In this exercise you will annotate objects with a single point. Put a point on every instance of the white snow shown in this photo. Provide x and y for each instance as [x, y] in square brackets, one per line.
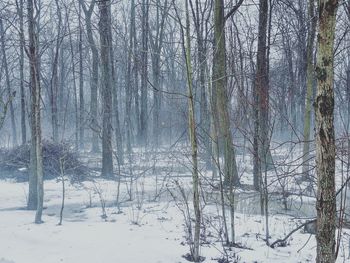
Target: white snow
[143, 230]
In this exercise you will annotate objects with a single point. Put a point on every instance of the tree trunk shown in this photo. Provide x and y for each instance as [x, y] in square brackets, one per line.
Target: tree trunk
[325, 142]
[54, 78]
[261, 98]
[115, 103]
[94, 75]
[20, 7]
[81, 86]
[309, 85]
[193, 139]
[221, 101]
[76, 130]
[36, 190]
[106, 87]
[144, 74]
[8, 84]
[199, 17]
[157, 46]
[129, 81]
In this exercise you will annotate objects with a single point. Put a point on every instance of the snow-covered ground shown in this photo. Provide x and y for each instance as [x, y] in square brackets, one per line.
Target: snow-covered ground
[153, 233]
[149, 229]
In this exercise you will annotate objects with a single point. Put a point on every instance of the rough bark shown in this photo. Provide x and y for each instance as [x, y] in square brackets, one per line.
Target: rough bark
[261, 147]
[325, 142]
[106, 87]
[221, 101]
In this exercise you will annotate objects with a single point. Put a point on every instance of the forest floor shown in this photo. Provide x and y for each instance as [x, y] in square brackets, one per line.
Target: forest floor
[100, 225]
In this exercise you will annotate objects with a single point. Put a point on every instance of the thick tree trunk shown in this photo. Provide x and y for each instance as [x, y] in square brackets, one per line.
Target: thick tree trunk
[325, 142]
[36, 190]
[106, 87]
[221, 101]
[261, 97]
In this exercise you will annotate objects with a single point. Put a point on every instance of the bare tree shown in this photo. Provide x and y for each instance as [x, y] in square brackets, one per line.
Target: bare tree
[106, 85]
[88, 11]
[36, 189]
[143, 135]
[8, 83]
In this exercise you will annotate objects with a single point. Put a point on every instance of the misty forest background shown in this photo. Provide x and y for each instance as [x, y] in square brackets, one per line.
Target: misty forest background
[234, 116]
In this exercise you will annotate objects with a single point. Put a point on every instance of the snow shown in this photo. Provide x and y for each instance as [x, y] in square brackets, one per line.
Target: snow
[150, 229]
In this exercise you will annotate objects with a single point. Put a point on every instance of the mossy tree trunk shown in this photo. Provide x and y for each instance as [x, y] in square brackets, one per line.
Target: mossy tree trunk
[309, 87]
[325, 142]
[221, 102]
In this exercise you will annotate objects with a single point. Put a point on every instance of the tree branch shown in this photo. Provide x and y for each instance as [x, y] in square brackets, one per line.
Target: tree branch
[233, 10]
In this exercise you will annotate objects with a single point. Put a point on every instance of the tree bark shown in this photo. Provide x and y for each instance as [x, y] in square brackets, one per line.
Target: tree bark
[325, 141]
[129, 80]
[8, 85]
[81, 86]
[204, 124]
[261, 98]
[36, 190]
[54, 78]
[106, 87]
[309, 87]
[221, 113]
[94, 74]
[193, 137]
[20, 8]
[144, 74]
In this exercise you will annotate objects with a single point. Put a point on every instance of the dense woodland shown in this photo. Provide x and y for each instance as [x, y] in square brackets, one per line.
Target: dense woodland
[226, 121]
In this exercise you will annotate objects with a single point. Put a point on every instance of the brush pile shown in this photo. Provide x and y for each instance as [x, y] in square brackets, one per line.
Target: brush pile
[15, 162]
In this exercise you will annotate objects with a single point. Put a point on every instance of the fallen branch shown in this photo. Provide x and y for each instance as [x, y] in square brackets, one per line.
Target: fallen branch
[281, 241]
